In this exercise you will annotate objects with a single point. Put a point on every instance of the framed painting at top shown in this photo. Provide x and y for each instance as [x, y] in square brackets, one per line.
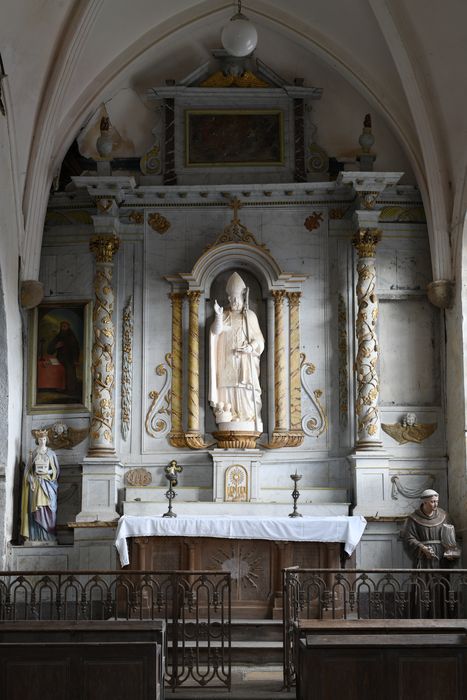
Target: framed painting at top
[59, 378]
[229, 138]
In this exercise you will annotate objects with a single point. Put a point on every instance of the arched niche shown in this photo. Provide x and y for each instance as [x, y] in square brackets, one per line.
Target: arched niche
[282, 366]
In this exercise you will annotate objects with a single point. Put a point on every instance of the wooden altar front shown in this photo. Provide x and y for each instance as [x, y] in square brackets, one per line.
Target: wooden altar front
[255, 565]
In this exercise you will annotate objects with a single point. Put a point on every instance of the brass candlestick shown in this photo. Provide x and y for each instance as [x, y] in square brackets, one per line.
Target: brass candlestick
[171, 472]
[295, 495]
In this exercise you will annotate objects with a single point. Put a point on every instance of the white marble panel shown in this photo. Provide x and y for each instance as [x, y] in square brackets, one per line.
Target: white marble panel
[409, 356]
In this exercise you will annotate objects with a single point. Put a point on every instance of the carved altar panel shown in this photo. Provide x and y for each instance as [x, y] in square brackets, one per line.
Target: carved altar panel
[255, 565]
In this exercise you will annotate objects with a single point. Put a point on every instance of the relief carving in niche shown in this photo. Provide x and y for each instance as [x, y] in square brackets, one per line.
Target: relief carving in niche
[243, 563]
[236, 484]
[408, 430]
[61, 437]
[138, 477]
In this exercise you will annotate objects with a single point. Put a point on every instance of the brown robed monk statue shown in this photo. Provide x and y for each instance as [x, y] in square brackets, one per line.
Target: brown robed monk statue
[429, 535]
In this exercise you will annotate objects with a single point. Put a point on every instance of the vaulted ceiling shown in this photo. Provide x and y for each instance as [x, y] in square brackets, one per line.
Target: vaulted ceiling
[403, 59]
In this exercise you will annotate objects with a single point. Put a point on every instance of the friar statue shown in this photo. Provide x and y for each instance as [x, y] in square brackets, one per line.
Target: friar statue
[236, 343]
[429, 534]
[39, 496]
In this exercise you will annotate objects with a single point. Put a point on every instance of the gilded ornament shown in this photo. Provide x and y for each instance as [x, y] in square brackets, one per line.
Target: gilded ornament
[367, 344]
[137, 217]
[368, 199]
[313, 221]
[104, 248]
[158, 223]
[61, 436]
[408, 430]
[366, 240]
[236, 484]
[157, 421]
[127, 367]
[318, 159]
[343, 362]
[150, 163]
[104, 204]
[236, 232]
[138, 477]
[315, 421]
[336, 213]
[236, 439]
[247, 79]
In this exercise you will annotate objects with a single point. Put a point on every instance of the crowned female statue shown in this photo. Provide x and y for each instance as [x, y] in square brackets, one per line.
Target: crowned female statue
[236, 343]
[39, 497]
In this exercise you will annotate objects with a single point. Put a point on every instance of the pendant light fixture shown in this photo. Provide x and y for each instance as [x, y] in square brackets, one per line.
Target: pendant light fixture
[239, 37]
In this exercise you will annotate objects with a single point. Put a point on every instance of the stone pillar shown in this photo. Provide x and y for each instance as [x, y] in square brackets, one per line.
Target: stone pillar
[177, 436]
[367, 403]
[294, 369]
[101, 441]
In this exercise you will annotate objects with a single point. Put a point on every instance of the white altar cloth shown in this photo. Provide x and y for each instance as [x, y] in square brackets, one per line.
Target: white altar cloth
[338, 528]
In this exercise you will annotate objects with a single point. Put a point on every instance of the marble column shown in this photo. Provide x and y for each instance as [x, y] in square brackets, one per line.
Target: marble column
[193, 435]
[296, 434]
[102, 472]
[280, 432]
[101, 441]
[177, 436]
[367, 403]
[193, 362]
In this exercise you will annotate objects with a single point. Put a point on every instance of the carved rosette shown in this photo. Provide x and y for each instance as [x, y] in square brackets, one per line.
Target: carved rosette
[103, 369]
[158, 223]
[177, 436]
[127, 368]
[367, 409]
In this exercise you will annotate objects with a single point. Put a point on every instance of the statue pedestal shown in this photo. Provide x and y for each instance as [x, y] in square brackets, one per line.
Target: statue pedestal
[372, 483]
[237, 435]
[235, 475]
[102, 480]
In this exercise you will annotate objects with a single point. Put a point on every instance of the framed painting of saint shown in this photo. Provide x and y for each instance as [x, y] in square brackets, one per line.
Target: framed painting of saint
[59, 377]
[229, 138]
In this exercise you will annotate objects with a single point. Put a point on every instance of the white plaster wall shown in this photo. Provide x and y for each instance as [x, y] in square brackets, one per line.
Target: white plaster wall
[11, 334]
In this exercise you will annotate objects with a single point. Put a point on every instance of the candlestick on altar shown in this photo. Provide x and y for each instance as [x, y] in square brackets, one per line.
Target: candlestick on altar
[171, 472]
[295, 495]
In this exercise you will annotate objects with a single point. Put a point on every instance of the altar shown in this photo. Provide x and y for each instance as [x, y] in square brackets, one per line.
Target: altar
[254, 549]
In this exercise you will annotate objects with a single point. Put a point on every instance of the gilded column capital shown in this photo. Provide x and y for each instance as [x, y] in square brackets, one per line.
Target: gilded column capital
[104, 247]
[294, 298]
[366, 240]
[278, 295]
[193, 297]
[177, 297]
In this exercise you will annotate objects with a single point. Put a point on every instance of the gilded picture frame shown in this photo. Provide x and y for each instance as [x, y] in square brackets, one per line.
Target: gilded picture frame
[59, 372]
[234, 138]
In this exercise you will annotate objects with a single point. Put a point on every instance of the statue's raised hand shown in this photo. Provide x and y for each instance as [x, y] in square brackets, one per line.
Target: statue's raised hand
[218, 309]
